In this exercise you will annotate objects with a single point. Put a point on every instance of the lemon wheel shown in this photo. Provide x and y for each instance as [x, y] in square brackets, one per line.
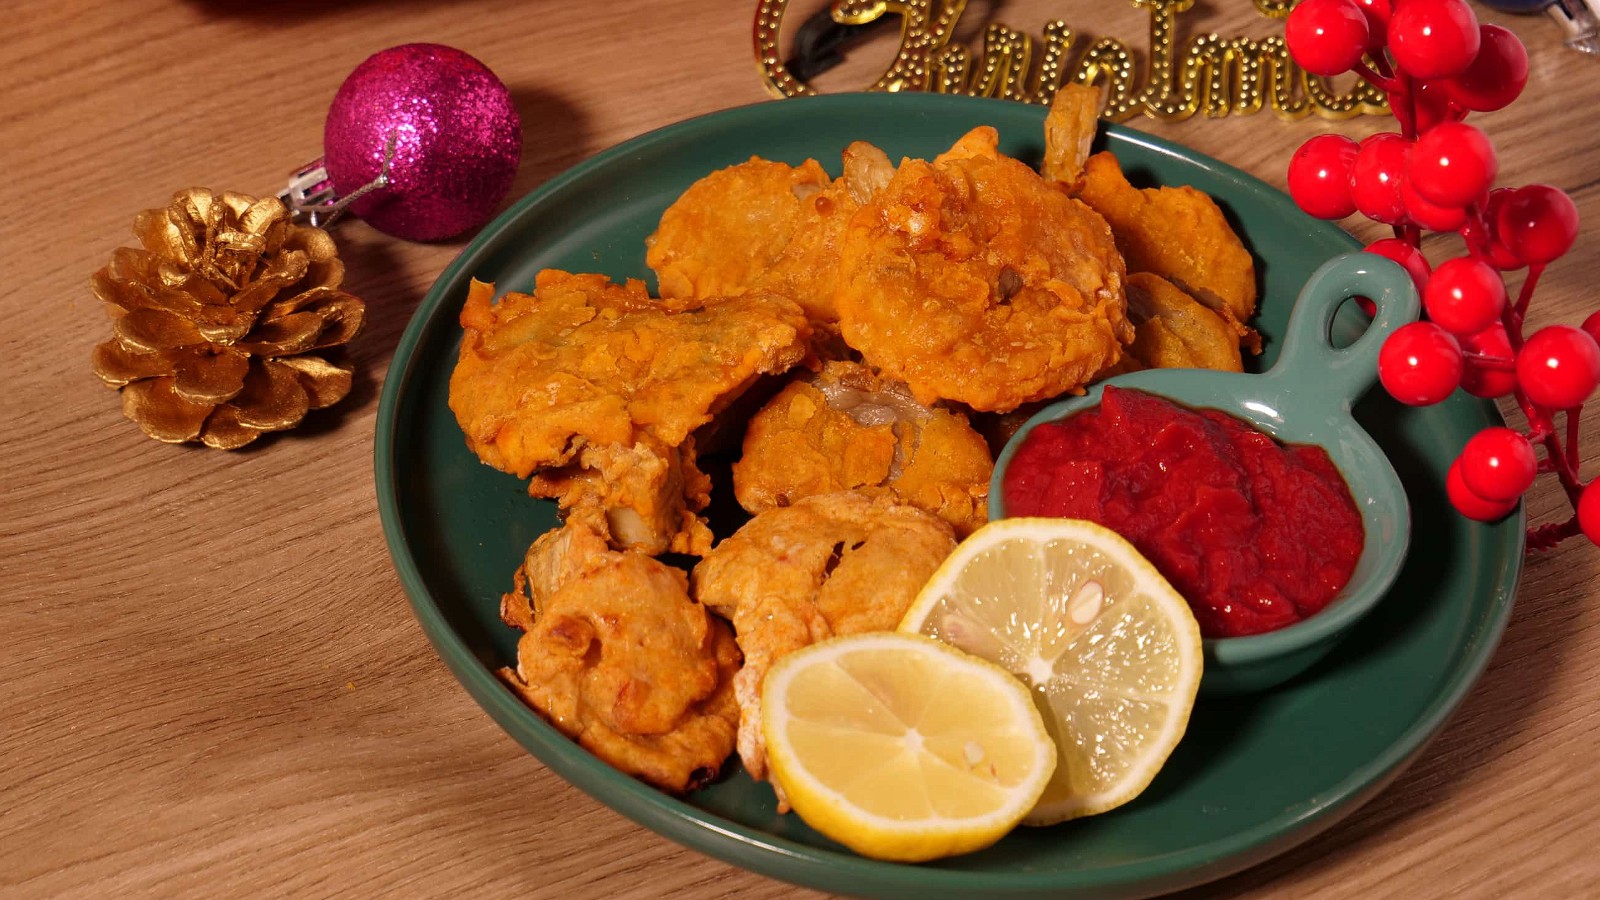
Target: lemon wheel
[1109, 649]
[903, 748]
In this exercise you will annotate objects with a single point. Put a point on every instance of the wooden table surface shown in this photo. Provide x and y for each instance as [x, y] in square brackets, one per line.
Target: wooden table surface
[211, 683]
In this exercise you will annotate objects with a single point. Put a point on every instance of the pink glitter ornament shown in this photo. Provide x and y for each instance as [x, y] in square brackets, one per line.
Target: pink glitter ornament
[422, 141]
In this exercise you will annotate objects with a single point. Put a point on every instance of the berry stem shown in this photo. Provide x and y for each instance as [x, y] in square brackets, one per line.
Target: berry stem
[1526, 294]
[1546, 537]
[1543, 431]
[1379, 81]
[1404, 107]
[1574, 416]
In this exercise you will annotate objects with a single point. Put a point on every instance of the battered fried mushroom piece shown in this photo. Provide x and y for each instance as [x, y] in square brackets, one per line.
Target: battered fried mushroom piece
[828, 565]
[764, 225]
[636, 495]
[596, 387]
[808, 267]
[1172, 330]
[848, 429]
[972, 279]
[1178, 233]
[1069, 130]
[730, 226]
[617, 657]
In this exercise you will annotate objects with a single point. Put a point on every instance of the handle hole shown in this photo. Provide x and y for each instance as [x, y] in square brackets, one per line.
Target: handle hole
[1349, 323]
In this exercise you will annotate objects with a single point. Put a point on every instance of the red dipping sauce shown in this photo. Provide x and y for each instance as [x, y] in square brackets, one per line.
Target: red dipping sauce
[1255, 534]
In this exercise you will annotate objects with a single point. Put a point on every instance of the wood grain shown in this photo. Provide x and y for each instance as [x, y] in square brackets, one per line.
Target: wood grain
[211, 684]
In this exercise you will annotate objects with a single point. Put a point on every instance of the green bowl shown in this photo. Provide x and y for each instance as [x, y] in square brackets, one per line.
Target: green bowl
[1305, 398]
[1255, 775]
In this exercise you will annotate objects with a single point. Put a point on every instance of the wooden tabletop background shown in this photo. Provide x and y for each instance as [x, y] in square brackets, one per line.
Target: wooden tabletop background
[211, 683]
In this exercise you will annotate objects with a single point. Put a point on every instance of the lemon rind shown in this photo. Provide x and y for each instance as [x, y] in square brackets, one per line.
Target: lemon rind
[1148, 581]
[908, 840]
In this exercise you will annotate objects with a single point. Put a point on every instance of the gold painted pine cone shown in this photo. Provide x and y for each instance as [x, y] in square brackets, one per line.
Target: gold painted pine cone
[219, 321]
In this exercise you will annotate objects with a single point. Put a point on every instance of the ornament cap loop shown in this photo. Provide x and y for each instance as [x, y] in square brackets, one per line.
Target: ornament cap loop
[1580, 19]
[310, 194]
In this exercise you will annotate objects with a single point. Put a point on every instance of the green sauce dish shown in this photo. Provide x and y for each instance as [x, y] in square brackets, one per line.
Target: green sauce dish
[1305, 398]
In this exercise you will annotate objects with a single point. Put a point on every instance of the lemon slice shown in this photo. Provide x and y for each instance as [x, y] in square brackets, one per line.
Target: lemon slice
[1111, 652]
[903, 748]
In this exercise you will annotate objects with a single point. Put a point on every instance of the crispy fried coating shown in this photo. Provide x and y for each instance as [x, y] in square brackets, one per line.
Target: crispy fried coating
[1069, 130]
[970, 278]
[585, 374]
[617, 657]
[764, 225]
[645, 496]
[828, 565]
[1178, 233]
[1172, 330]
[730, 226]
[848, 429]
[808, 267]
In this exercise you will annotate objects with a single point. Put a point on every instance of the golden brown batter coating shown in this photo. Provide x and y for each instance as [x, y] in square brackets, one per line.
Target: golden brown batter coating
[1178, 233]
[972, 279]
[848, 429]
[1069, 130]
[1172, 330]
[808, 267]
[764, 225]
[586, 375]
[617, 657]
[730, 226]
[645, 496]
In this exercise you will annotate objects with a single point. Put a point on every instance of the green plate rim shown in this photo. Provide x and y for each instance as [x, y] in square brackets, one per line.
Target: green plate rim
[790, 860]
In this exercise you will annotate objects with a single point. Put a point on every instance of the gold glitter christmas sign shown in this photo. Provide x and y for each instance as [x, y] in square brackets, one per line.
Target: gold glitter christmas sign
[1207, 73]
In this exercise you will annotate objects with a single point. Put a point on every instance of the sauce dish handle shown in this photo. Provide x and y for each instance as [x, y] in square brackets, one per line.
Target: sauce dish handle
[1344, 374]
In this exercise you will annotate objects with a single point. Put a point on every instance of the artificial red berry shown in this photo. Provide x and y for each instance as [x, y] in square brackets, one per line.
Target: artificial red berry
[1327, 37]
[1432, 104]
[1592, 325]
[1409, 257]
[1497, 74]
[1433, 38]
[1375, 178]
[1469, 504]
[1378, 13]
[1428, 214]
[1559, 366]
[1482, 378]
[1589, 512]
[1453, 164]
[1464, 296]
[1537, 223]
[1420, 364]
[1319, 176]
[1495, 251]
[1498, 464]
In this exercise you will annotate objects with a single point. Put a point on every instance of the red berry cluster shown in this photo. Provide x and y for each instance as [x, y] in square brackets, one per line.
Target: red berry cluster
[1437, 64]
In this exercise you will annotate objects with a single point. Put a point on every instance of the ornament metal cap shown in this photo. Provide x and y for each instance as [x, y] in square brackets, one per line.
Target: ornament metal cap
[310, 195]
[1580, 19]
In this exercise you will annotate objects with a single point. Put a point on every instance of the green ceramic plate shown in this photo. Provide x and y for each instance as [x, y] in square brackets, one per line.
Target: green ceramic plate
[1254, 776]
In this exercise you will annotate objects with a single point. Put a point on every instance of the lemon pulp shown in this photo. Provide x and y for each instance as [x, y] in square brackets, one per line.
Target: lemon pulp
[1110, 651]
[903, 748]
